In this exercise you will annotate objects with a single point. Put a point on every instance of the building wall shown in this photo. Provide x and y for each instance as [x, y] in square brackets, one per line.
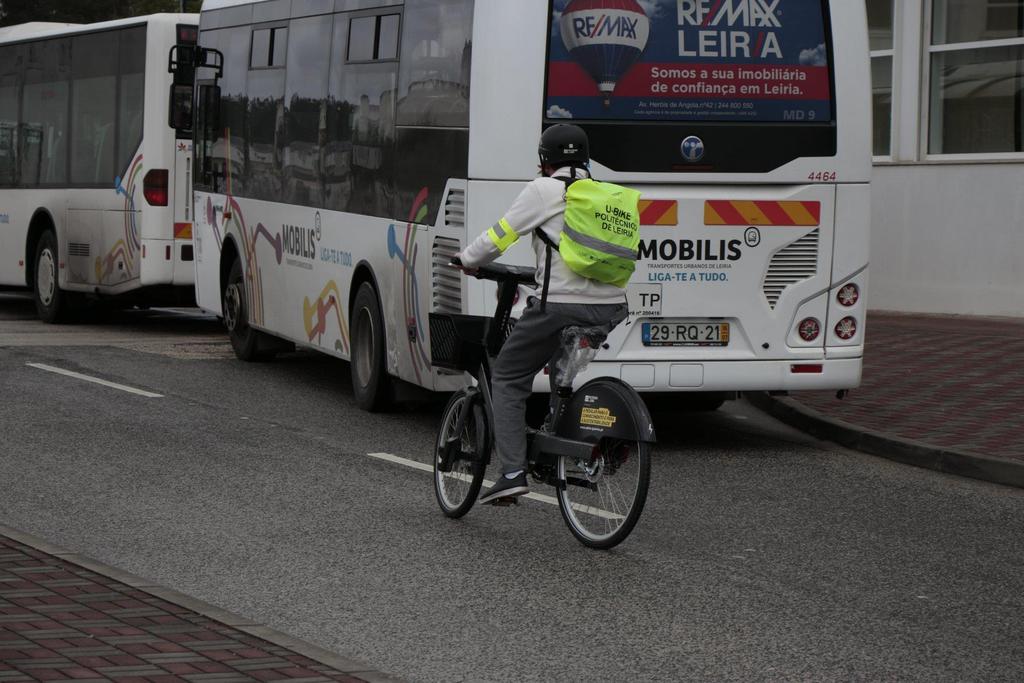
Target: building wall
[948, 239]
[947, 202]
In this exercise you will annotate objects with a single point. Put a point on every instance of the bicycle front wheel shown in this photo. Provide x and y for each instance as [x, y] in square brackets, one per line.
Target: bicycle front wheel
[605, 493]
[457, 478]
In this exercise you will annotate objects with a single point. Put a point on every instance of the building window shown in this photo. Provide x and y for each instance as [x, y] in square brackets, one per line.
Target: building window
[373, 38]
[880, 35]
[976, 77]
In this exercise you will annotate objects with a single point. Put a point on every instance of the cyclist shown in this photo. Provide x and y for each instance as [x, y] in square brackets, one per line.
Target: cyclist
[569, 299]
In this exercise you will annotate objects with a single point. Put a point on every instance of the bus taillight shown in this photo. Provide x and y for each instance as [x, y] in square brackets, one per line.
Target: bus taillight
[848, 295]
[809, 329]
[154, 187]
[846, 328]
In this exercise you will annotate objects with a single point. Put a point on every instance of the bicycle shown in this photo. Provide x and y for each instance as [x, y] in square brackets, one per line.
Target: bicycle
[594, 447]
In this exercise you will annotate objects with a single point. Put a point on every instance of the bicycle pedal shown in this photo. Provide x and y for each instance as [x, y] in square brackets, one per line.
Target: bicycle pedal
[506, 501]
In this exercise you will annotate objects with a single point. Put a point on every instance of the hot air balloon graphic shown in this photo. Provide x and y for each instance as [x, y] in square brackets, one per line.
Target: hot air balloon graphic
[605, 37]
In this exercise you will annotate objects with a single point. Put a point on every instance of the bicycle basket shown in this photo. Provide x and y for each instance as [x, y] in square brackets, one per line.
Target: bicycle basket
[457, 341]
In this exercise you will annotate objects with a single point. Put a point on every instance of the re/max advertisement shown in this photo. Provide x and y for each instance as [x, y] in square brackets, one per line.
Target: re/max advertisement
[689, 60]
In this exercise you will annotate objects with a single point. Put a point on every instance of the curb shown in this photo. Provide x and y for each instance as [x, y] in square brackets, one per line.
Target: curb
[345, 665]
[906, 451]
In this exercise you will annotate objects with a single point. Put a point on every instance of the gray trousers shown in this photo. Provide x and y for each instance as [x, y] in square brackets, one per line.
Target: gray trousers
[536, 341]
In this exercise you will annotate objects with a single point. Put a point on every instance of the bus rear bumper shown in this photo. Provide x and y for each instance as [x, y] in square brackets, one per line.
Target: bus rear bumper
[167, 262]
[761, 375]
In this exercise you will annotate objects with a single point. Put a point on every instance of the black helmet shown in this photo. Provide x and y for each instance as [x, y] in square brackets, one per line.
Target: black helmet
[564, 144]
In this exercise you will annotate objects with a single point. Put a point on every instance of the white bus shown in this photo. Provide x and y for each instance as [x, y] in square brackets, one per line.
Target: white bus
[353, 146]
[94, 181]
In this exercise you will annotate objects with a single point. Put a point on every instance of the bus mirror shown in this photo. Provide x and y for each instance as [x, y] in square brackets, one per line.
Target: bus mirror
[180, 118]
[182, 62]
[208, 58]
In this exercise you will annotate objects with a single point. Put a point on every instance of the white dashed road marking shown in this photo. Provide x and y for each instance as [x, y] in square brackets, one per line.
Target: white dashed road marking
[424, 467]
[94, 380]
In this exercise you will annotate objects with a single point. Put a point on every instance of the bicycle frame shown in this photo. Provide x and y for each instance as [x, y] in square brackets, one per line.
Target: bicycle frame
[575, 440]
[591, 435]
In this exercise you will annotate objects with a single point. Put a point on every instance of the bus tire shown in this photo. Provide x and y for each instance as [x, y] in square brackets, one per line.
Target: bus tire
[247, 343]
[52, 303]
[371, 385]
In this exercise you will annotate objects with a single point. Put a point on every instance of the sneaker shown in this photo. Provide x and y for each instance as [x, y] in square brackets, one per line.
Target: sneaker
[506, 488]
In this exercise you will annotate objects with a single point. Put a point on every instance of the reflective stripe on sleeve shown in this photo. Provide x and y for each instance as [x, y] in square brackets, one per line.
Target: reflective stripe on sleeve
[502, 235]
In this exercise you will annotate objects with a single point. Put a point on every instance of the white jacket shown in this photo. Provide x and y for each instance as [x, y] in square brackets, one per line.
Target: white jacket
[542, 204]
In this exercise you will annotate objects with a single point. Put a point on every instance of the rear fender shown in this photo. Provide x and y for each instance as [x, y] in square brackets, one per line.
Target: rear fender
[606, 407]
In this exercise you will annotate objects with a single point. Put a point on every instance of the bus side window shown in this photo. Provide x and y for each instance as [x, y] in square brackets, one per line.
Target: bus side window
[94, 74]
[433, 98]
[131, 95]
[45, 112]
[9, 106]
[209, 96]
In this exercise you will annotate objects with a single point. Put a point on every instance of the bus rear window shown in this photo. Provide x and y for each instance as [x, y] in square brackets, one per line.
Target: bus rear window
[760, 61]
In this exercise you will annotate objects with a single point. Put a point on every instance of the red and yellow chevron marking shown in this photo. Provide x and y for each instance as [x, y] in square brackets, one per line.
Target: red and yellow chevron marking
[182, 231]
[725, 212]
[659, 212]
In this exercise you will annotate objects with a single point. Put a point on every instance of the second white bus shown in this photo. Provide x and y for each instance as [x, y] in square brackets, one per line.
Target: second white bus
[94, 180]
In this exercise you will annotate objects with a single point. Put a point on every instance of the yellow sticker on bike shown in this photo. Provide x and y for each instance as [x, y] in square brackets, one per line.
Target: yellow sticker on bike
[597, 417]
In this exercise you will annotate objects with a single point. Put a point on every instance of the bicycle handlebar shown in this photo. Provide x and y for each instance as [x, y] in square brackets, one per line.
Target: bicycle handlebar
[499, 272]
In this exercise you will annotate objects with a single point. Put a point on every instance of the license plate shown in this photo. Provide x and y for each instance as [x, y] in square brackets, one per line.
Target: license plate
[689, 333]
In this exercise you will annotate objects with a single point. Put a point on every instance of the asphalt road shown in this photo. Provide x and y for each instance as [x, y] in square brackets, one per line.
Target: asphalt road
[762, 554]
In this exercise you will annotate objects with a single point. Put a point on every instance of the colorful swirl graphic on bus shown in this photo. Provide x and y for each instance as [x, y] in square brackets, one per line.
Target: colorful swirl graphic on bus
[131, 228]
[211, 218]
[105, 266]
[233, 217]
[273, 240]
[317, 316]
[406, 254]
[121, 257]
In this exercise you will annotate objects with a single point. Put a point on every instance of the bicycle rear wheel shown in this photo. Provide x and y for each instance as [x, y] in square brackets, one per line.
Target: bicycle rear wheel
[605, 493]
[457, 482]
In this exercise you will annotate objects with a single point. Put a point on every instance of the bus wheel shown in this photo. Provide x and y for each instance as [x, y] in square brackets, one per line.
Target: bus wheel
[51, 302]
[370, 382]
[245, 341]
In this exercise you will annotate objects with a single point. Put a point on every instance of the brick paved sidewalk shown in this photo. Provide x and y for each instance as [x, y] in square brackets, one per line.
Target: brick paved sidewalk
[942, 392]
[951, 382]
[60, 621]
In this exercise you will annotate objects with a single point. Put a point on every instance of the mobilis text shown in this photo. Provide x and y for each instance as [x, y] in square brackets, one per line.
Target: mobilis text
[690, 250]
[299, 241]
